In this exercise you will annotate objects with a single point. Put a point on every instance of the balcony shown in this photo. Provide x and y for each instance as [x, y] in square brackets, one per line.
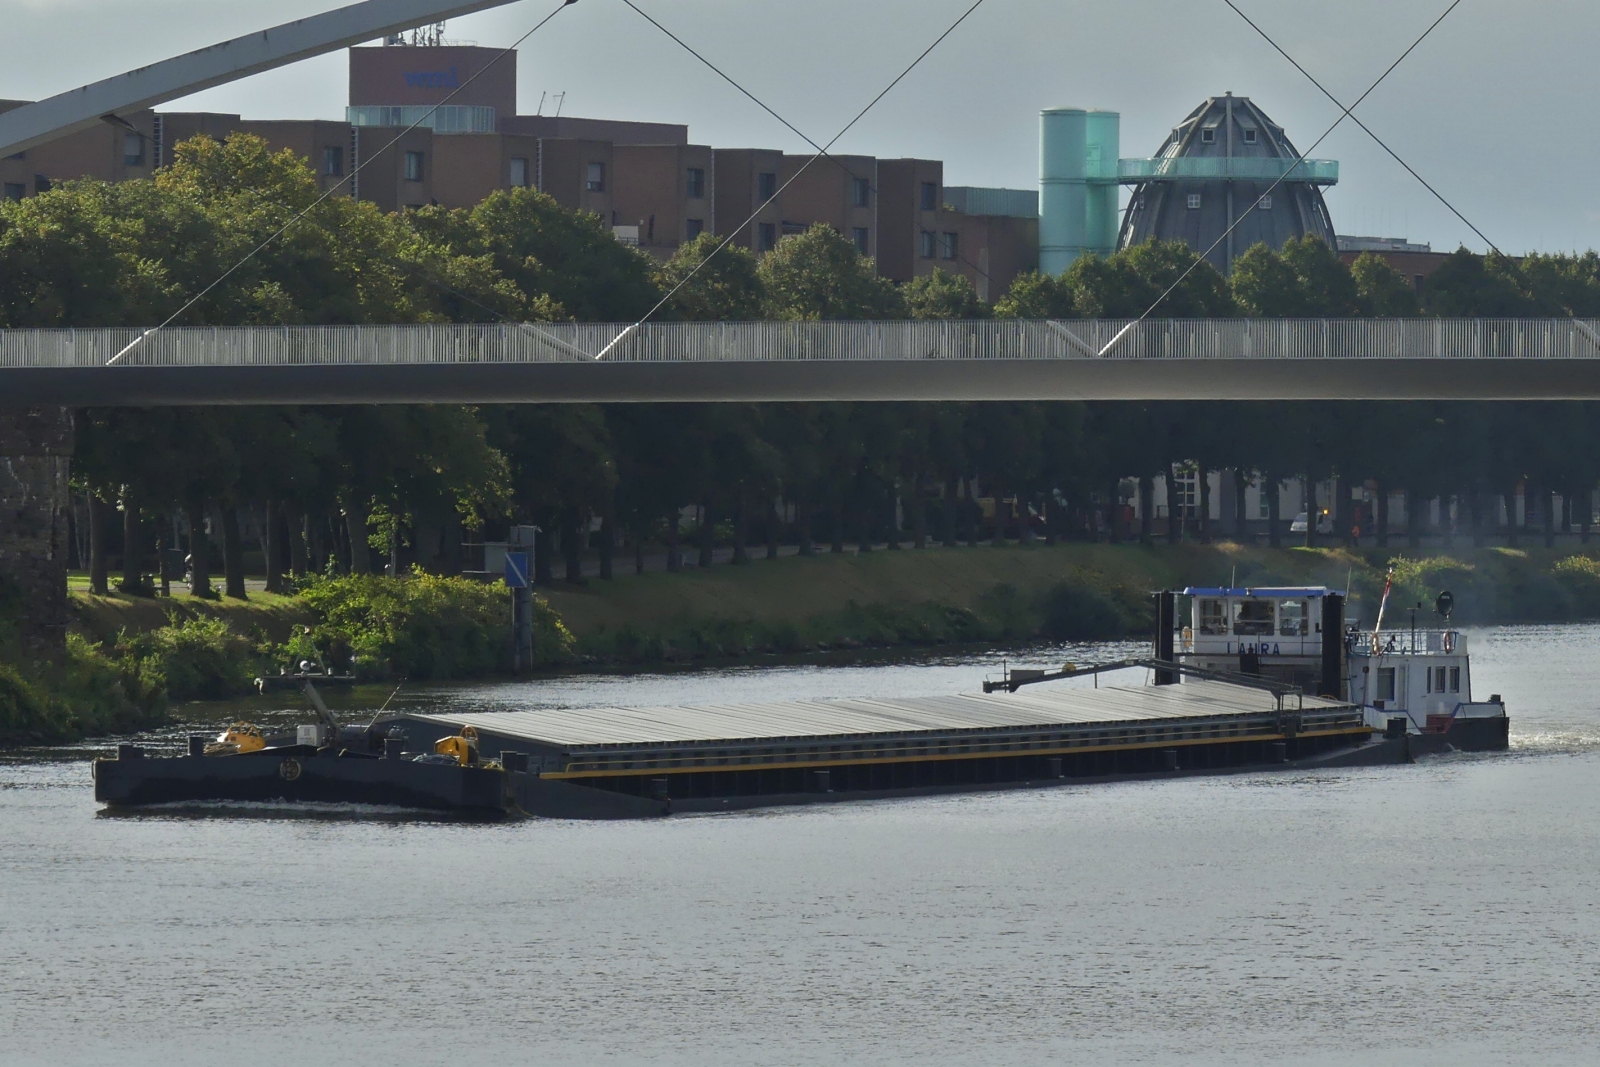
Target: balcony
[1223, 168]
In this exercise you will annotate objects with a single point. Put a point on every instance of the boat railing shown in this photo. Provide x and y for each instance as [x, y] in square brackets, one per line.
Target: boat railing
[1406, 642]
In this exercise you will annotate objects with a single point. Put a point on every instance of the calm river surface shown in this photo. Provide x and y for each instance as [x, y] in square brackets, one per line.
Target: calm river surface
[1446, 913]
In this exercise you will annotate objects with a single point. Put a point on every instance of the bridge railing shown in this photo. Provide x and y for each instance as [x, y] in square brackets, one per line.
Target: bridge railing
[1002, 339]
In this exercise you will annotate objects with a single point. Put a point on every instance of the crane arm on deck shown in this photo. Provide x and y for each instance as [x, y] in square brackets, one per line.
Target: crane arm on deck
[79, 109]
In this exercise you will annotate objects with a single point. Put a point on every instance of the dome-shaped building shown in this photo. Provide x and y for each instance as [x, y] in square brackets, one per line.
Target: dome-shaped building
[1210, 172]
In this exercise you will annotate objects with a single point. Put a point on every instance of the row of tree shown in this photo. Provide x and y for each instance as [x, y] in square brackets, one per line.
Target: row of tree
[344, 482]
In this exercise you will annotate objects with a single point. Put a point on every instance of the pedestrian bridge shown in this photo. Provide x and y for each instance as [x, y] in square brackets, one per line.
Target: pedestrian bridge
[1008, 359]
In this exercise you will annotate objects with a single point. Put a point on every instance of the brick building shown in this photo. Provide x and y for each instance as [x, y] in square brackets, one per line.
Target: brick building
[645, 179]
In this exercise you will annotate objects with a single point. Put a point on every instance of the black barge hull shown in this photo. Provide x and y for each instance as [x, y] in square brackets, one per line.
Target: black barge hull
[299, 774]
[1486, 734]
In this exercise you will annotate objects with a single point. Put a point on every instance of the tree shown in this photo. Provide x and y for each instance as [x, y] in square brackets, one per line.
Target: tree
[1471, 286]
[1382, 291]
[819, 274]
[726, 287]
[943, 296]
[1037, 296]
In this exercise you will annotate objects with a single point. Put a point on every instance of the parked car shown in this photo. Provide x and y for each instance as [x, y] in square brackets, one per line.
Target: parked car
[1324, 523]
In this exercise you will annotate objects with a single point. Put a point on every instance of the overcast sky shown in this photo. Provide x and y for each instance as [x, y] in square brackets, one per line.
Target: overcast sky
[1493, 109]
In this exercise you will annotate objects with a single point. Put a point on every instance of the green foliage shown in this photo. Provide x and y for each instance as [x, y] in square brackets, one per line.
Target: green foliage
[1304, 280]
[725, 288]
[943, 296]
[1471, 286]
[1075, 612]
[819, 274]
[192, 659]
[1381, 290]
[1037, 296]
[423, 627]
[87, 695]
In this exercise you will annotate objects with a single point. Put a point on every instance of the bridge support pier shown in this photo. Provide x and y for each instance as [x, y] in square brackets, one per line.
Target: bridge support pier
[35, 457]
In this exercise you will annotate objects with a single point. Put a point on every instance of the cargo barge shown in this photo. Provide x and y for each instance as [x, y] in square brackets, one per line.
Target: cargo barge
[637, 762]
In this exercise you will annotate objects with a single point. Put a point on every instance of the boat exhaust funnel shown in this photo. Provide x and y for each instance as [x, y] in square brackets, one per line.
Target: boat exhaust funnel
[1078, 151]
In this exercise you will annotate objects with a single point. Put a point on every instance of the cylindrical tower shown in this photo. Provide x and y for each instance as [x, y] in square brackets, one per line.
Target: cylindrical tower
[1077, 185]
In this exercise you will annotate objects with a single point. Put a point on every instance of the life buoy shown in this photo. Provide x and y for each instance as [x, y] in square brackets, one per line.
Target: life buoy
[1449, 641]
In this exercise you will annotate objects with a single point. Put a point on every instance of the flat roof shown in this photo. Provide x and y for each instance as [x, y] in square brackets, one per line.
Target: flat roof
[1033, 706]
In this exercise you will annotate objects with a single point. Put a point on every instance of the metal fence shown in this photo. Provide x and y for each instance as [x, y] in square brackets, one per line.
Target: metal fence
[1008, 339]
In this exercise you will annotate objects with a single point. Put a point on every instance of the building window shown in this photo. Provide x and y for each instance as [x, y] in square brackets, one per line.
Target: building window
[1194, 201]
[16, 190]
[766, 236]
[41, 183]
[930, 196]
[1208, 135]
[519, 173]
[766, 185]
[1249, 136]
[1266, 203]
[595, 178]
[861, 238]
[696, 184]
[860, 192]
[413, 166]
[1177, 136]
[693, 228]
[927, 244]
[332, 160]
[947, 245]
[133, 149]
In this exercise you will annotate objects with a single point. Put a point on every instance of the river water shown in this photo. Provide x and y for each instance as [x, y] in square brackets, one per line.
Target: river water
[1441, 914]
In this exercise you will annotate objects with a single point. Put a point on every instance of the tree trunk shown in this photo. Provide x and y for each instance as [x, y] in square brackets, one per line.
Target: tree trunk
[295, 521]
[607, 545]
[355, 524]
[708, 534]
[740, 553]
[838, 523]
[1203, 489]
[163, 544]
[232, 552]
[199, 552]
[1308, 490]
[947, 513]
[99, 523]
[1272, 486]
[802, 528]
[638, 552]
[1547, 505]
[1510, 506]
[544, 573]
[919, 513]
[774, 524]
[1585, 500]
[1241, 514]
[674, 555]
[1380, 514]
[1175, 515]
[572, 537]
[1147, 507]
[272, 547]
[133, 582]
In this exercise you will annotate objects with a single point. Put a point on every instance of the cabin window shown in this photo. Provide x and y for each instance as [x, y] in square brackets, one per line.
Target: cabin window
[1294, 618]
[1438, 679]
[1385, 683]
[1455, 679]
[1213, 617]
[1252, 618]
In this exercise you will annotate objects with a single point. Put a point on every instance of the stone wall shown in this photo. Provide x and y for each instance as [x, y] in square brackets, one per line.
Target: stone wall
[35, 458]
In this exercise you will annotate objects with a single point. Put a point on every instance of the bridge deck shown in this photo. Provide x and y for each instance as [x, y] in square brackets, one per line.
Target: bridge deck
[774, 361]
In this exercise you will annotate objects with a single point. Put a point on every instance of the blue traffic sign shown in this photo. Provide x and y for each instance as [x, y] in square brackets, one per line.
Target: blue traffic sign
[517, 570]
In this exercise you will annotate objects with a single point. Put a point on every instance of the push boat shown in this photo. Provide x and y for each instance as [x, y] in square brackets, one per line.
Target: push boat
[1248, 685]
[1298, 635]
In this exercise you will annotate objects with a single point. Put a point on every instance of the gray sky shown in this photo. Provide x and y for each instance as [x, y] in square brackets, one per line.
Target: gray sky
[1466, 109]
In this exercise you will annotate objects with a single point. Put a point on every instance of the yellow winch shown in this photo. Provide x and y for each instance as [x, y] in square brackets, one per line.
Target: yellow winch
[239, 738]
[463, 746]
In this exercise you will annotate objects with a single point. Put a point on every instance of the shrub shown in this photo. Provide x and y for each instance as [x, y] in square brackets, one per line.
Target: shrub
[1081, 613]
[423, 626]
[196, 659]
[87, 695]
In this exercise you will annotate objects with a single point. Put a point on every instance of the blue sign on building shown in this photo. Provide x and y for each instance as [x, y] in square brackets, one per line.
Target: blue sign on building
[517, 570]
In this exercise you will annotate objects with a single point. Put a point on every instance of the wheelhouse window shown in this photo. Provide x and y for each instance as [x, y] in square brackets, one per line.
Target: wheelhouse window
[1385, 683]
[1213, 617]
[1294, 618]
[1439, 675]
[1252, 618]
[1455, 679]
